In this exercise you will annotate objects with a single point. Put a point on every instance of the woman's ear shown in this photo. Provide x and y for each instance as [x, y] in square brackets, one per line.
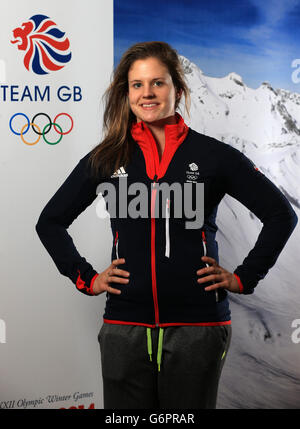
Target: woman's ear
[179, 93]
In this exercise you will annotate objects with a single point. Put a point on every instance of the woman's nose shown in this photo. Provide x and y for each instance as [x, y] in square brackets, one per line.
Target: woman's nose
[148, 91]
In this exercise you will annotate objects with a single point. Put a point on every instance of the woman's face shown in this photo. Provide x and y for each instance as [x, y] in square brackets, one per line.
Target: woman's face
[152, 94]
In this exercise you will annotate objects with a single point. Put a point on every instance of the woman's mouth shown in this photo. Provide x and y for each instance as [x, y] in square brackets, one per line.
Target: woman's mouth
[149, 106]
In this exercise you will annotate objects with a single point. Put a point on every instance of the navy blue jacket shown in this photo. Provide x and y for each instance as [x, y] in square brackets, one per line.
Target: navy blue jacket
[161, 254]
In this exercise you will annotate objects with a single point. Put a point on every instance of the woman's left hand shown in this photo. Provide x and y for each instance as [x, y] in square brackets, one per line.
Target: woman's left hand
[217, 274]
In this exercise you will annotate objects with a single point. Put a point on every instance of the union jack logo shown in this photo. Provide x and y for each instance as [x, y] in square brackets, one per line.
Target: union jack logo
[46, 48]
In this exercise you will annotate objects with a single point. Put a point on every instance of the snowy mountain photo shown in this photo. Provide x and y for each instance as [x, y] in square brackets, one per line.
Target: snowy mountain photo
[264, 124]
[241, 63]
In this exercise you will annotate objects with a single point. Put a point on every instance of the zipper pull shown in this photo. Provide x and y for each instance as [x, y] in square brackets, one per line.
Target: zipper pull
[155, 181]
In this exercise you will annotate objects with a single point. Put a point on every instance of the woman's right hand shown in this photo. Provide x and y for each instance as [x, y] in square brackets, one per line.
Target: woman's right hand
[110, 275]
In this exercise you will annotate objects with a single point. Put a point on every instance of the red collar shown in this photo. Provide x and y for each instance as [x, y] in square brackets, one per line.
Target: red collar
[174, 136]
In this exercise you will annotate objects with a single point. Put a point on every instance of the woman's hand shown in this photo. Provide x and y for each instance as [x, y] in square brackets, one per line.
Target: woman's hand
[221, 277]
[103, 280]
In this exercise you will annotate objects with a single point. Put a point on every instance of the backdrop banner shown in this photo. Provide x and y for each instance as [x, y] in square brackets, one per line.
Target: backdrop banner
[55, 63]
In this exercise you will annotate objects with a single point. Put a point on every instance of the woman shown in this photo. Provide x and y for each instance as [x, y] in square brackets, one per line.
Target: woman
[166, 294]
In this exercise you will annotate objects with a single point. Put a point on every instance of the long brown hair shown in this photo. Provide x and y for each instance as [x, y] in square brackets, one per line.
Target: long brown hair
[115, 149]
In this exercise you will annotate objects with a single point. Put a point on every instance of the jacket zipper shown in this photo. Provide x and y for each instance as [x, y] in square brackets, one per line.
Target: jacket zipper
[207, 265]
[154, 285]
[167, 251]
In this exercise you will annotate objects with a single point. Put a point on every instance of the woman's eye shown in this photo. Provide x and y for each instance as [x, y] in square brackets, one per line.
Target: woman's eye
[138, 84]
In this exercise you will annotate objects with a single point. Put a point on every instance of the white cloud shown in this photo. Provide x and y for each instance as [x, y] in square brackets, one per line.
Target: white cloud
[274, 11]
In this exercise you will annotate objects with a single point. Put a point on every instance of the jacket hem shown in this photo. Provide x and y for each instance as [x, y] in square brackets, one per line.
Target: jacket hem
[163, 325]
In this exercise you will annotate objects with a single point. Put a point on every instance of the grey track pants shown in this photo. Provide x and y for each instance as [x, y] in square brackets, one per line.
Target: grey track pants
[191, 363]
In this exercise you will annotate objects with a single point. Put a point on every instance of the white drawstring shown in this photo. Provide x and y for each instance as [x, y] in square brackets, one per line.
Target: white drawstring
[167, 252]
[117, 244]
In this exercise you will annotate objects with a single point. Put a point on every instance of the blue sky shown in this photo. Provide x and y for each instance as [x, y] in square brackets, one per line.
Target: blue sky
[258, 39]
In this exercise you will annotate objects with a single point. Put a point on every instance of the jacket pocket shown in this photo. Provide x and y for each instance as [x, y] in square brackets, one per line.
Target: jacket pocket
[167, 228]
[207, 265]
[117, 244]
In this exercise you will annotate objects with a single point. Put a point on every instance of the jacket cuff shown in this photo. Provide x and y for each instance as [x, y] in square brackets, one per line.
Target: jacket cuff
[241, 287]
[86, 285]
[92, 283]
[246, 283]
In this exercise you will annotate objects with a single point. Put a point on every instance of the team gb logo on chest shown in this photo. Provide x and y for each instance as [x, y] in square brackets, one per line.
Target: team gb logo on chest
[192, 173]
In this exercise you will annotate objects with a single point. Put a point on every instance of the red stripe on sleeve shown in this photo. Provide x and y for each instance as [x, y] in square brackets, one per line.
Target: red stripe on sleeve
[240, 283]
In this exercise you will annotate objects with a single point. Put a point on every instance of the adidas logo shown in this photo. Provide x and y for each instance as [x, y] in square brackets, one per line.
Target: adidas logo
[120, 173]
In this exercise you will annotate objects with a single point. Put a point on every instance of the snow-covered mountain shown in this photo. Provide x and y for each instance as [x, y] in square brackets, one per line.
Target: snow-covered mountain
[263, 366]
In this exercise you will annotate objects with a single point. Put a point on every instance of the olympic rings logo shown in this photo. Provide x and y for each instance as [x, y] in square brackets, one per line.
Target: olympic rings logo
[37, 129]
